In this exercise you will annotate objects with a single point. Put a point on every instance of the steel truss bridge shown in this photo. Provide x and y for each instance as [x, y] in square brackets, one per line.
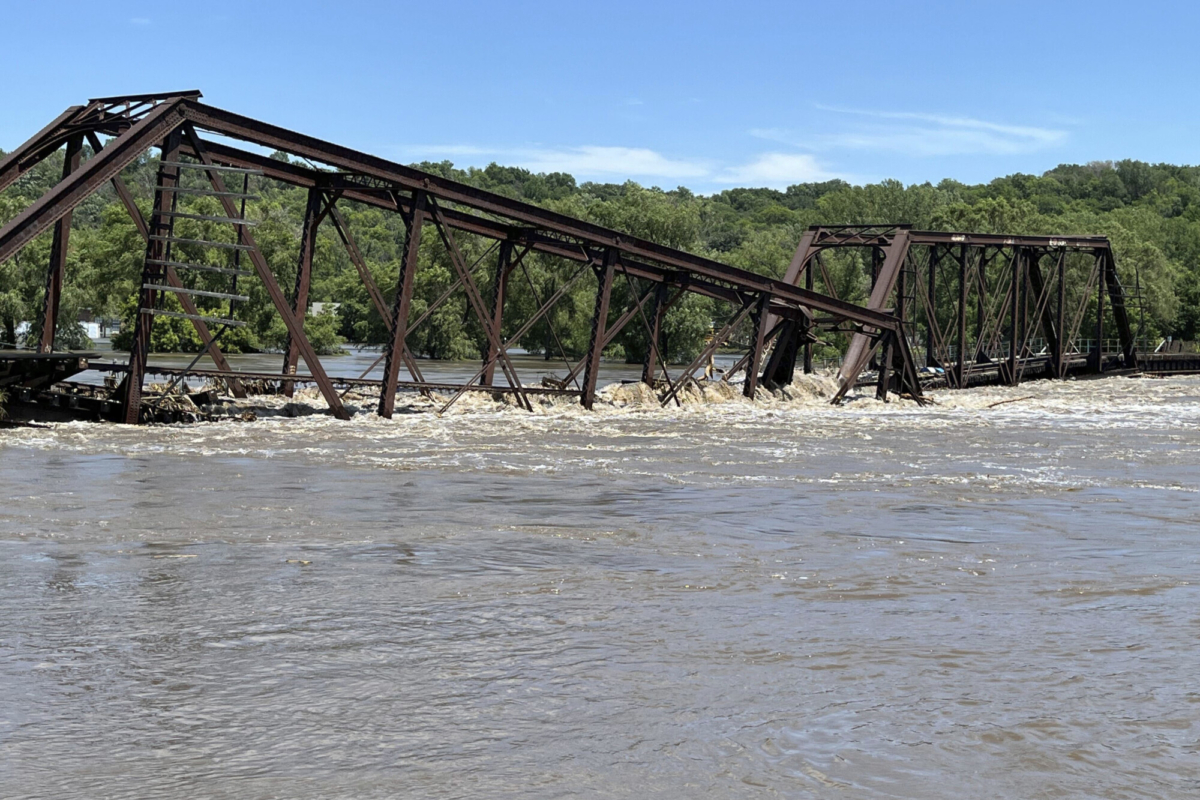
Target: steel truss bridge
[1003, 296]
[985, 307]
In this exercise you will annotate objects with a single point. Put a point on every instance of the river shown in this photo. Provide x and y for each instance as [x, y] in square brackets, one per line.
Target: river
[778, 599]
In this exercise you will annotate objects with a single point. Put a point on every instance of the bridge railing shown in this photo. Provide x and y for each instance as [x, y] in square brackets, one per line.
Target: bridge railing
[1000, 349]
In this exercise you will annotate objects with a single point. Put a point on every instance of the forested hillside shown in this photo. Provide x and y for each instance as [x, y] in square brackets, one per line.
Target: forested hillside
[1151, 213]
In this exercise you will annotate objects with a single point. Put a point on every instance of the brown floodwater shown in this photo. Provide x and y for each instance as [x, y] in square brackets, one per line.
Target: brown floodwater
[721, 600]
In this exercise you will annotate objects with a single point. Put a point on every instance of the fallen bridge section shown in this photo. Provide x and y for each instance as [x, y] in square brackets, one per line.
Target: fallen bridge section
[121, 130]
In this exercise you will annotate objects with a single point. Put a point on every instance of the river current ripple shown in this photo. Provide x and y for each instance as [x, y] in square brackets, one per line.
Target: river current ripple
[717, 601]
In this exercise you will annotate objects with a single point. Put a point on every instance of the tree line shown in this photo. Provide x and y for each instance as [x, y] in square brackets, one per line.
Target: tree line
[1151, 212]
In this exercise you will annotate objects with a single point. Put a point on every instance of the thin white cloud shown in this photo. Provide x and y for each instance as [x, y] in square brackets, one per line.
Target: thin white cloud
[1016, 131]
[139, 21]
[620, 161]
[588, 161]
[777, 171]
[924, 135]
[595, 162]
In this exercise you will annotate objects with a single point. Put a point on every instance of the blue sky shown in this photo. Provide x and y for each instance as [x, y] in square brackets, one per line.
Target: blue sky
[705, 95]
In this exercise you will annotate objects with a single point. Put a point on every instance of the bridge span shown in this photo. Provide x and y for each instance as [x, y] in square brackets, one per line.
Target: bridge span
[952, 308]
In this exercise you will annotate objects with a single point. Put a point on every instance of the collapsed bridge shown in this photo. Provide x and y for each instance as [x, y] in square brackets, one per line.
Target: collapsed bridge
[785, 317]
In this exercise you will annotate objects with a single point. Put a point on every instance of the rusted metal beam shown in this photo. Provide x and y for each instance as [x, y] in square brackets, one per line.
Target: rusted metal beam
[960, 363]
[404, 287]
[760, 316]
[1060, 359]
[1016, 329]
[807, 337]
[67, 194]
[308, 243]
[591, 373]
[29, 154]
[883, 235]
[58, 255]
[650, 364]
[1116, 298]
[931, 323]
[781, 365]
[885, 366]
[1098, 361]
[858, 354]
[360, 264]
[499, 285]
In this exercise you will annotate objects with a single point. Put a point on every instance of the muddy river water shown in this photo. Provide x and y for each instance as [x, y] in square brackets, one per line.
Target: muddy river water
[779, 599]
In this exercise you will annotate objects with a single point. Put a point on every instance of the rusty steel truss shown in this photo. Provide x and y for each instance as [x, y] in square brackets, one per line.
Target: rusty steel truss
[783, 317]
[975, 303]
[179, 125]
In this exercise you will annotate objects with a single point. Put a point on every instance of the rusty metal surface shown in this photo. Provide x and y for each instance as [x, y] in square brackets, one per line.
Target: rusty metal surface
[995, 279]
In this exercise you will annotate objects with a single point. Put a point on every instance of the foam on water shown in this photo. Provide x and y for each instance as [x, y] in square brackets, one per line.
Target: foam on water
[978, 598]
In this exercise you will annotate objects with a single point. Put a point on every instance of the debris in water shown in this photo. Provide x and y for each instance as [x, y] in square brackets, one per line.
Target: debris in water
[1013, 400]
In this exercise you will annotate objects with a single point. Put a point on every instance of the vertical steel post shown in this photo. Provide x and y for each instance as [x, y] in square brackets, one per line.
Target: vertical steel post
[960, 366]
[58, 256]
[605, 274]
[404, 287]
[650, 365]
[1027, 298]
[876, 260]
[1116, 301]
[1101, 264]
[981, 301]
[750, 385]
[931, 316]
[308, 243]
[1060, 366]
[808, 348]
[1039, 290]
[160, 225]
[885, 367]
[499, 289]
[1015, 332]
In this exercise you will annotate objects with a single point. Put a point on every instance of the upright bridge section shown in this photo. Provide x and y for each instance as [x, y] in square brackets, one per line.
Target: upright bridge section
[120, 130]
[974, 307]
